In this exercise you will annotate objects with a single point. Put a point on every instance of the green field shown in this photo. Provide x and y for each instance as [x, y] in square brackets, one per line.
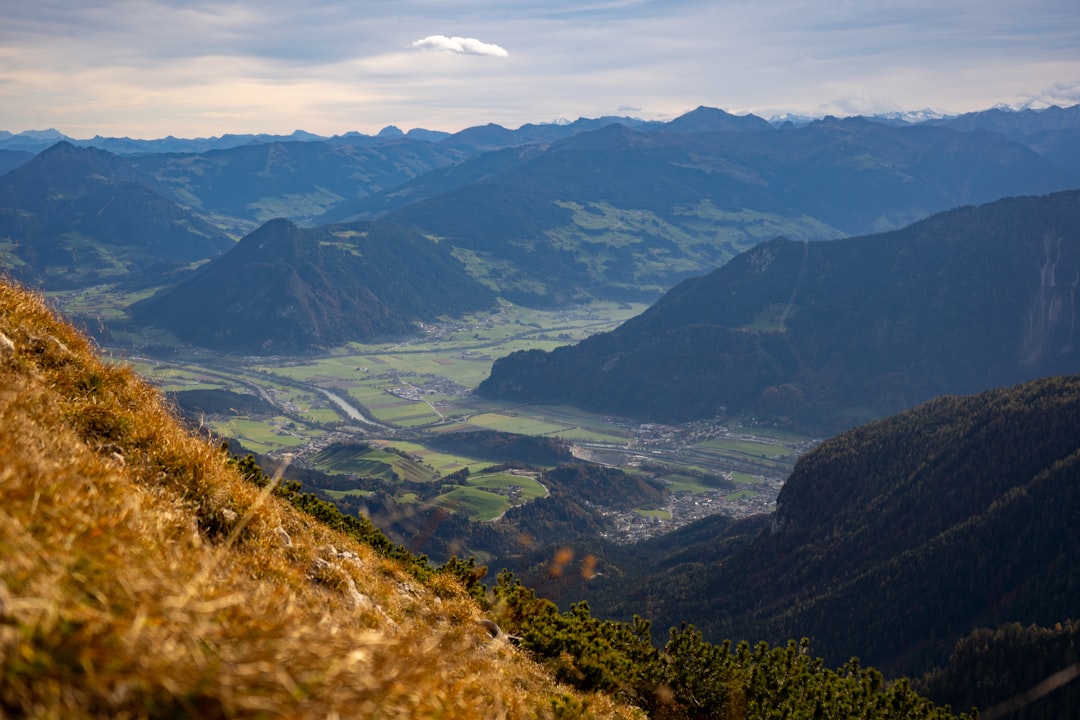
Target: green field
[517, 424]
[337, 494]
[475, 502]
[687, 483]
[451, 358]
[263, 436]
[443, 462]
[461, 352]
[371, 462]
[529, 487]
[746, 447]
[481, 499]
[662, 514]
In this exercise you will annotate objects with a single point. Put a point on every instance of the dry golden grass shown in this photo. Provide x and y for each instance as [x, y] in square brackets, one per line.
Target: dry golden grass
[141, 577]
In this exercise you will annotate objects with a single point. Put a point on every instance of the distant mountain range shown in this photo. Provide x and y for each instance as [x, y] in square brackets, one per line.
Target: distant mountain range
[284, 289]
[492, 136]
[827, 335]
[622, 213]
[544, 215]
[479, 138]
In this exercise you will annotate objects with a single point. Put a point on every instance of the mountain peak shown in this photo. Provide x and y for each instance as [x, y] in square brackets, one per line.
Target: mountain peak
[391, 131]
[65, 167]
[707, 119]
[284, 288]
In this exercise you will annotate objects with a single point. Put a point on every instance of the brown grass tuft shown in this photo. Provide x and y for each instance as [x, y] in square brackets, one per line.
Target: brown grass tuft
[140, 577]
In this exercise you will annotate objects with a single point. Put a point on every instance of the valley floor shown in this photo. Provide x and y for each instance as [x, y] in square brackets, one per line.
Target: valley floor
[400, 394]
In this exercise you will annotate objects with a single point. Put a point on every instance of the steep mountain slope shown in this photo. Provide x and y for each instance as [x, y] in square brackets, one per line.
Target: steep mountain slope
[285, 289]
[827, 335]
[77, 216]
[892, 541]
[144, 575]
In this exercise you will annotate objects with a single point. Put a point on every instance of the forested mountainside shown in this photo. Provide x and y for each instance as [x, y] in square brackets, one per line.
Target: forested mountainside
[285, 289]
[894, 540]
[72, 217]
[823, 336]
[1021, 672]
[150, 575]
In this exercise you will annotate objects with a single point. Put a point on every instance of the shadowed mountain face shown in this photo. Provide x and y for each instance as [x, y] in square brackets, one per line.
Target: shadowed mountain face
[78, 216]
[286, 289]
[892, 541]
[827, 335]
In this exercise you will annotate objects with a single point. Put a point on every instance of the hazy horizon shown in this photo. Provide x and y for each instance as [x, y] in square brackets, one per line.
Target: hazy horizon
[556, 121]
[194, 68]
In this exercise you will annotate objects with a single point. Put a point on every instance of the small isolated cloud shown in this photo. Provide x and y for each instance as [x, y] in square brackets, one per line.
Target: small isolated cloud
[465, 46]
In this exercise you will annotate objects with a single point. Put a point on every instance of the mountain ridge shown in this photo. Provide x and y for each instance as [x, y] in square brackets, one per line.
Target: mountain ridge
[32, 140]
[288, 289]
[825, 335]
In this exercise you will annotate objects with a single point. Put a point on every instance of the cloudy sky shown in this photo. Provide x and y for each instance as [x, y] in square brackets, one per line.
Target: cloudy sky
[150, 68]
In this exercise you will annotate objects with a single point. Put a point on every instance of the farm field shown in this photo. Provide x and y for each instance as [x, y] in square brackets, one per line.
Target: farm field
[487, 497]
[744, 446]
[398, 394]
[442, 461]
[373, 462]
[686, 483]
[476, 502]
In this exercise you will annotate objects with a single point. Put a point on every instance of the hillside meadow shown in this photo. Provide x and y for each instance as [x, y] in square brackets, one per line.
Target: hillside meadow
[144, 576]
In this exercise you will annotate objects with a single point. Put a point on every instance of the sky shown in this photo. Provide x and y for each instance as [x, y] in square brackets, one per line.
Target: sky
[152, 68]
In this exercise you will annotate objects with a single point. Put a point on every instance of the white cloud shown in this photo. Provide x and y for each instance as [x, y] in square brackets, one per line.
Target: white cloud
[203, 67]
[465, 46]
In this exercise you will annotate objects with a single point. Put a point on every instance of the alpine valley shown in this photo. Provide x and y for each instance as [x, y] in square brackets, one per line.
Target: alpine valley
[751, 381]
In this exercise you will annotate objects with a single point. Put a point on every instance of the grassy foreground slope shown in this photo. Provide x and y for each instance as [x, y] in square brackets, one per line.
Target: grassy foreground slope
[142, 576]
